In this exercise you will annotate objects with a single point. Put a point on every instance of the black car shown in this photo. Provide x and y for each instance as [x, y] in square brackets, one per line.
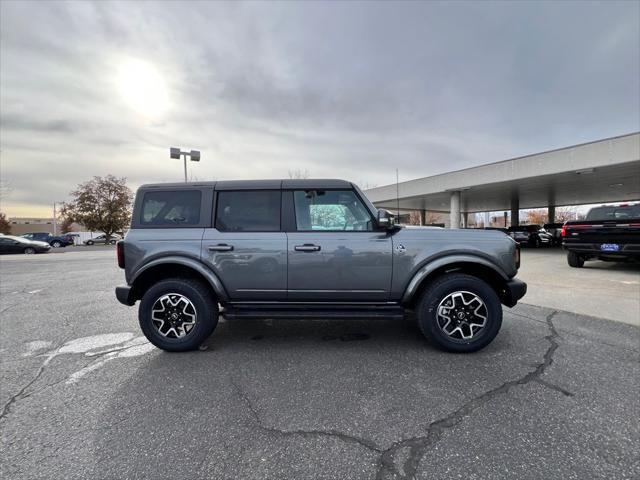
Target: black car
[531, 235]
[11, 244]
[54, 241]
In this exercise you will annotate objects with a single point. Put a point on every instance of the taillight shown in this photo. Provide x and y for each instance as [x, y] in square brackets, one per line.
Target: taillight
[120, 253]
[563, 232]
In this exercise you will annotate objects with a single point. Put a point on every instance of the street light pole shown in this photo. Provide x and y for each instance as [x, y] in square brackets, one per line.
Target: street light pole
[176, 153]
[55, 219]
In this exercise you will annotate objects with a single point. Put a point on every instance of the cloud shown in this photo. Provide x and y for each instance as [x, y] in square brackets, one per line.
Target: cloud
[351, 90]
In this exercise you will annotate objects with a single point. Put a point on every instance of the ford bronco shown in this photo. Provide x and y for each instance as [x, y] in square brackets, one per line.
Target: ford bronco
[306, 249]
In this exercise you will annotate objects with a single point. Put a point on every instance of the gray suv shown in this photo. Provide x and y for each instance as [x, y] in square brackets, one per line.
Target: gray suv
[306, 249]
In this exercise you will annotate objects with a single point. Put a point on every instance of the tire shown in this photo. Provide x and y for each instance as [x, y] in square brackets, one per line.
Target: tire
[29, 251]
[56, 244]
[203, 310]
[461, 289]
[112, 242]
[574, 260]
[90, 242]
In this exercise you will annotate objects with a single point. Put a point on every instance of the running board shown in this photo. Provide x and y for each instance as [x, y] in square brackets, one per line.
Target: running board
[268, 311]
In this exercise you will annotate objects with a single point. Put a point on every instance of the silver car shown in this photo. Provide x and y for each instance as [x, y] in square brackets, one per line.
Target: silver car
[102, 240]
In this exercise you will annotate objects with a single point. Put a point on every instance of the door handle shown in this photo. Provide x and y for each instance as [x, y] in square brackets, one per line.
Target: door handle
[307, 247]
[222, 247]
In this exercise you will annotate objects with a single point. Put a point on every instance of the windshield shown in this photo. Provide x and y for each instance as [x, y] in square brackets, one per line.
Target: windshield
[614, 213]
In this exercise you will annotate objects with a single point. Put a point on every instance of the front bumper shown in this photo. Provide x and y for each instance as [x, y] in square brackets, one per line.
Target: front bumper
[123, 294]
[513, 291]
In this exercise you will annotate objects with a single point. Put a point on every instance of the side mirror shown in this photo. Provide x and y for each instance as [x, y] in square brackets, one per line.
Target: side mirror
[386, 219]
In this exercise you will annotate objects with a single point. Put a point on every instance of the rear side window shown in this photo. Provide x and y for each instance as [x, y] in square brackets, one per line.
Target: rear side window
[171, 208]
[248, 211]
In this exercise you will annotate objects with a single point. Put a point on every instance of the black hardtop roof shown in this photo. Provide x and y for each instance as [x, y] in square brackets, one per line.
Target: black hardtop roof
[306, 183]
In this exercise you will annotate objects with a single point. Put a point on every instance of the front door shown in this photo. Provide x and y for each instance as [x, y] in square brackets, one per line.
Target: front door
[336, 253]
[246, 247]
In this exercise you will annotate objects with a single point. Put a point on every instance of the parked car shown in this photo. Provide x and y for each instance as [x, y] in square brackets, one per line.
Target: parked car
[102, 240]
[530, 235]
[609, 233]
[555, 230]
[11, 244]
[306, 249]
[54, 241]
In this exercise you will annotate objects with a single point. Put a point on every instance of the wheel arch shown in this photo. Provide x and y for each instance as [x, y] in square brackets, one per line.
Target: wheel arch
[170, 267]
[469, 264]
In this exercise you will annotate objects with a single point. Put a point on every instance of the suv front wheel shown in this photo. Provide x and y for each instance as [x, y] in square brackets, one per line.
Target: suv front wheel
[178, 314]
[460, 313]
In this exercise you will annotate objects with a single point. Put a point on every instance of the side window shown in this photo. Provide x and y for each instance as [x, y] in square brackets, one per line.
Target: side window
[177, 207]
[332, 210]
[248, 211]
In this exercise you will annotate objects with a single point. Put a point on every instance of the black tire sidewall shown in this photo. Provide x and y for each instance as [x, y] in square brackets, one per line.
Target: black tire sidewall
[29, 251]
[206, 310]
[574, 260]
[442, 287]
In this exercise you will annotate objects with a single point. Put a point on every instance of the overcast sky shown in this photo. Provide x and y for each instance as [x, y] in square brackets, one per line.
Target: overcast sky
[348, 90]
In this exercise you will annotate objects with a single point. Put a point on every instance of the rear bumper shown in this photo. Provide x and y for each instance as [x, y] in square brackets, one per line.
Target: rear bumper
[123, 294]
[627, 250]
[513, 291]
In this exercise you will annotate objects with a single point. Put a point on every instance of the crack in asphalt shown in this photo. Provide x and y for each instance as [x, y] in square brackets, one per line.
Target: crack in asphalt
[22, 393]
[368, 444]
[418, 446]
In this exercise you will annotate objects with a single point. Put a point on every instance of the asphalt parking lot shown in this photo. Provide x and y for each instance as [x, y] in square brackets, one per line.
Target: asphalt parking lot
[556, 395]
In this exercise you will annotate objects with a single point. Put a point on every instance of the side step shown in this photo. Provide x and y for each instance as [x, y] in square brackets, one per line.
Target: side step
[322, 312]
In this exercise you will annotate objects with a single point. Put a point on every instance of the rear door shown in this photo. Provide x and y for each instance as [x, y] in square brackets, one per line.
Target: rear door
[246, 247]
[335, 252]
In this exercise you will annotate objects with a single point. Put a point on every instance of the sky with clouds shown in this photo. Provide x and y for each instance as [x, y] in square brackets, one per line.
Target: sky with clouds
[350, 90]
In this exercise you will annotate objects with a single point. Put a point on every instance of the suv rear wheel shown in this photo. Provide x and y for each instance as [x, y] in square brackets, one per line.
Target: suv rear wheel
[460, 313]
[575, 260]
[178, 314]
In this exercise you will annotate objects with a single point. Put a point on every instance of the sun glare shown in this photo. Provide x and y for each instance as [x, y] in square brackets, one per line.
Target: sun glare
[143, 88]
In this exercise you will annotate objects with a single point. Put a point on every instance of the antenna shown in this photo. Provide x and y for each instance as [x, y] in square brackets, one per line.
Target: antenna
[397, 195]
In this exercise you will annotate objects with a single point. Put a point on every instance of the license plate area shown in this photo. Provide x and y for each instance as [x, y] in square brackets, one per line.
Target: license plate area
[609, 247]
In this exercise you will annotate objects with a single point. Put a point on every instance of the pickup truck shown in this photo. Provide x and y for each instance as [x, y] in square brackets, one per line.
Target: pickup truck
[303, 249]
[609, 233]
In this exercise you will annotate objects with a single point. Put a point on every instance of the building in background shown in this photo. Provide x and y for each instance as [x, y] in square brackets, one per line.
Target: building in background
[22, 225]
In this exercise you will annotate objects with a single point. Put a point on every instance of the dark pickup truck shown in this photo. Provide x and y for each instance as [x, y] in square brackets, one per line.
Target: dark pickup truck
[610, 233]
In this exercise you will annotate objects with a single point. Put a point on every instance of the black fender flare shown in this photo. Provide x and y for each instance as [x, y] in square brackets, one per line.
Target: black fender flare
[209, 275]
[438, 263]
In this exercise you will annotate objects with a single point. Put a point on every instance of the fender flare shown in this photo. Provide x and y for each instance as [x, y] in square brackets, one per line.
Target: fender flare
[438, 263]
[210, 276]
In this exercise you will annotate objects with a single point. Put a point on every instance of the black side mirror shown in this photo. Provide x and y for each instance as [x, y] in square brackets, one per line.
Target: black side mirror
[386, 219]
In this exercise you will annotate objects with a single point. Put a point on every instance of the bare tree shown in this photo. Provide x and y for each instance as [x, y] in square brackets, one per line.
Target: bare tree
[366, 185]
[101, 204]
[537, 216]
[65, 224]
[566, 214]
[414, 218]
[5, 226]
[298, 173]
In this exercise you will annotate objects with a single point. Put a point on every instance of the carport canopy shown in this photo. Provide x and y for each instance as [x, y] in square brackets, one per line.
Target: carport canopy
[596, 172]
